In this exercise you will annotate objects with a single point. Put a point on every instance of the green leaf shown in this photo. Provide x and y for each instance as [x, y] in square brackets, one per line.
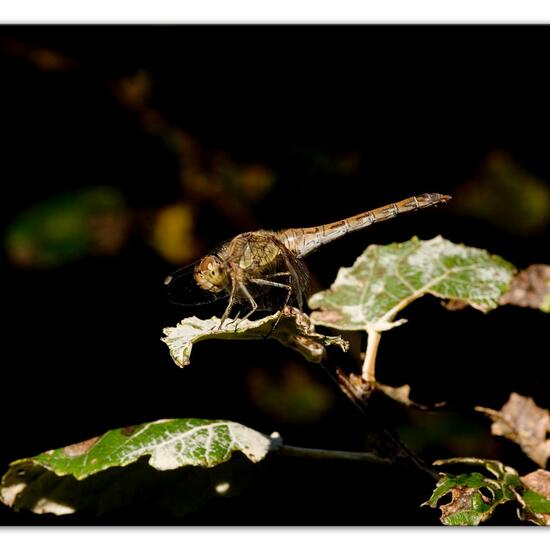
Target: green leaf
[290, 327]
[67, 227]
[385, 279]
[83, 475]
[538, 503]
[474, 496]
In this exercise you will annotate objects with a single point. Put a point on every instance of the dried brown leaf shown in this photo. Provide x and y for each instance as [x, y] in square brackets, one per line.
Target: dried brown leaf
[402, 395]
[538, 481]
[530, 288]
[454, 304]
[523, 422]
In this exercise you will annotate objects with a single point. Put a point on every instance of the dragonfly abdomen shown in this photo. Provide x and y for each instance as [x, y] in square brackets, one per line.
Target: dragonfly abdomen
[304, 241]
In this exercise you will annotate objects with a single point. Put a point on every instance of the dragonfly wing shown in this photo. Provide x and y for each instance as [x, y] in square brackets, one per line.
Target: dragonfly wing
[182, 289]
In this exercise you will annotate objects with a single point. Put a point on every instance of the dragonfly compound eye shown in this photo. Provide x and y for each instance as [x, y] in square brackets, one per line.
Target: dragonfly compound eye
[210, 274]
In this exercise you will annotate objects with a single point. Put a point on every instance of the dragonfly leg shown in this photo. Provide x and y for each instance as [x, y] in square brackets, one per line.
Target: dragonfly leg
[253, 304]
[279, 274]
[294, 277]
[225, 314]
[235, 319]
[229, 305]
[273, 283]
[278, 285]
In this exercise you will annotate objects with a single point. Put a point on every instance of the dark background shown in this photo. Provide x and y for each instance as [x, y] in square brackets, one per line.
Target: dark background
[344, 119]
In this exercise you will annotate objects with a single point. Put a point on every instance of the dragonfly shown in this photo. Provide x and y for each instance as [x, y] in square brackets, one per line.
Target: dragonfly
[264, 270]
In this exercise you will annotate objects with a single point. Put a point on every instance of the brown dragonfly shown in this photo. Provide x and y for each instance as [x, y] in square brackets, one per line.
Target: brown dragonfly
[263, 270]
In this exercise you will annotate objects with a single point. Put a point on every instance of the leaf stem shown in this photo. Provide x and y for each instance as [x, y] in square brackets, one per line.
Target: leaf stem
[369, 365]
[304, 452]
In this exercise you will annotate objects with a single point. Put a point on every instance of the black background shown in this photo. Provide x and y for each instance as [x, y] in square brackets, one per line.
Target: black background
[422, 105]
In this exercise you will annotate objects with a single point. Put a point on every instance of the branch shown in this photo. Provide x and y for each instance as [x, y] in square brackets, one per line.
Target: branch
[303, 452]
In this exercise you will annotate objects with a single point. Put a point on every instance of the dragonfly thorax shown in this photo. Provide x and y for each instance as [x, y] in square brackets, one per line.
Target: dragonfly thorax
[211, 275]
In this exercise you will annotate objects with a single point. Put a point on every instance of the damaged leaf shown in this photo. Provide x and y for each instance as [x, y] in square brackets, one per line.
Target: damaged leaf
[290, 327]
[474, 495]
[524, 423]
[385, 279]
[536, 498]
[530, 288]
[124, 464]
[539, 482]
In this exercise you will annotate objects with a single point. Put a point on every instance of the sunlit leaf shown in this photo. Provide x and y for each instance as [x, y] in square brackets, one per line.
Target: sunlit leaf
[290, 327]
[385, 279]
[131, 460]
[474, 496]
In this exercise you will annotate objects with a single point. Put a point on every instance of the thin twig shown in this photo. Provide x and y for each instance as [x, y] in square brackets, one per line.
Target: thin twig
[347, 388]
[304, 452]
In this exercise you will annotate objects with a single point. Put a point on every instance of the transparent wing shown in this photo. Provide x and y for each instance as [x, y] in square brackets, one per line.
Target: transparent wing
[182, 289]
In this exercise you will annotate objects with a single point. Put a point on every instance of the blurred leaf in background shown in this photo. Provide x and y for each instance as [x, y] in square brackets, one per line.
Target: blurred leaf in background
[292, 395]
[95, 221]
[507, 196]
[206, 175]
[317, 162]
[67, 227]
[429, 433]
[44, 59]
[172, 234]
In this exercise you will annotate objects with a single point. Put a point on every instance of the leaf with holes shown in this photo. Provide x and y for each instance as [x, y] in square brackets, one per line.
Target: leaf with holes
[474, 496]
[290, 327]
[385, 279]
[124, 464]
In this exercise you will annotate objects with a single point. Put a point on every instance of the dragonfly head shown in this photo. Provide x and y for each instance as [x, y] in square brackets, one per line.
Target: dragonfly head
[210, 274]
